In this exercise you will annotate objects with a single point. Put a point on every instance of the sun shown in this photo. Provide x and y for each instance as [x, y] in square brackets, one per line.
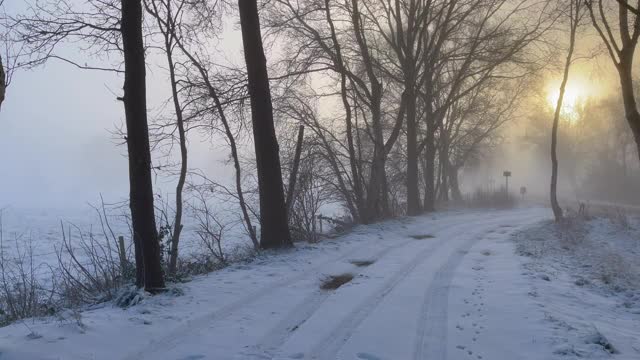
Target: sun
[577, 92]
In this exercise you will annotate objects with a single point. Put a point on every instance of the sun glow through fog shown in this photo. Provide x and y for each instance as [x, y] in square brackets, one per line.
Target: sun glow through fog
[576, 93]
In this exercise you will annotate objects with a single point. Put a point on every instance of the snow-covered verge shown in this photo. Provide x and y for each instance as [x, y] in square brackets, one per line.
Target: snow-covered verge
[445, 286]
[273, 307]
[585, 276]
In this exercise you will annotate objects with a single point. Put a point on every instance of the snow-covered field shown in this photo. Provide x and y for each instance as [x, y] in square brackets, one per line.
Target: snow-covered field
[445, 286]
[37, 234]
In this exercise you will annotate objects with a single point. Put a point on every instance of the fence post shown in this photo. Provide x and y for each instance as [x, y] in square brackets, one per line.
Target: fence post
[122, 253]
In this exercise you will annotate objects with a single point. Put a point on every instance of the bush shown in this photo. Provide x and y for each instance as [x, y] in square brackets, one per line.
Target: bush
[22, 291]
[499, 199]
[91, 270]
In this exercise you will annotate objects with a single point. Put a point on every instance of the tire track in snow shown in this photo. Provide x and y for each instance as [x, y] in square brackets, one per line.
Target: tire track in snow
[279, 334]
[329, 347]
[431, 339]
[197, 325]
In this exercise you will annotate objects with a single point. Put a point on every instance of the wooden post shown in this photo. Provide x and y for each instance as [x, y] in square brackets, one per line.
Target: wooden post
[313, 228]
[294, 171]
[122, 253]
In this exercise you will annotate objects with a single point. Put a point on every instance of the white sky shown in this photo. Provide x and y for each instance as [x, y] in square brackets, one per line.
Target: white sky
[56, 145]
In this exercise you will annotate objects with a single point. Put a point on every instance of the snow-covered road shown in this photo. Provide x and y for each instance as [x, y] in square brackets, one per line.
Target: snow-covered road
[446, 286]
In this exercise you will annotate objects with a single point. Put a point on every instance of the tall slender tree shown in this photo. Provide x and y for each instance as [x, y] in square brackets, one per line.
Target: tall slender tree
[165, 12]
[148, 265]
[3, 76]
[621, 48]
[274, 227]
[574, 15]
[2, 82]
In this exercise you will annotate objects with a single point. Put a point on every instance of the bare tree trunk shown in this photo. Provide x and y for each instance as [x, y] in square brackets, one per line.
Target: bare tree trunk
[273, 212]
[294, 171]
[430, 147]
[456, 194]
[430, 174]
[413, 194]
[140, 181]
[444, 165]
[355, 174]
[574, 18]
[182, 137]
[430, 161]
[628, 97]
[621, 48]
[377, 177]
[166, 25]
[2, 82]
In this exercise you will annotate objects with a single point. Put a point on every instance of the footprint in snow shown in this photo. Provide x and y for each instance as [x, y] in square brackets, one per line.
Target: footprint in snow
[193, 357]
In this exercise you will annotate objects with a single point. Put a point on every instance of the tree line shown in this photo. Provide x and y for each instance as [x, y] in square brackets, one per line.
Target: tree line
[378, 104]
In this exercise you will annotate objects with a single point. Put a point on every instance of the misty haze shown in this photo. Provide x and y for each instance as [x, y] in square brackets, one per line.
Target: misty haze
[319, 179]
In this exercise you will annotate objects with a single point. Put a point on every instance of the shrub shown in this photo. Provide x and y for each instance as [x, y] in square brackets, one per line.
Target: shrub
[500, 199]
[22, 291]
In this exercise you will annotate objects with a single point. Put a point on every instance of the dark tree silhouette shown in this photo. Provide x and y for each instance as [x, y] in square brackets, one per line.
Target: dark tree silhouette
[575, 14]
[273, 212]
[621, 48]
[3, 75]
[165, 16]
[2, 82]
[149, 269]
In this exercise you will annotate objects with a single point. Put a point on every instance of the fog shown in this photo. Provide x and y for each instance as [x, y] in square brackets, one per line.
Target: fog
[59, 148]
[59, 141]
[314, 167]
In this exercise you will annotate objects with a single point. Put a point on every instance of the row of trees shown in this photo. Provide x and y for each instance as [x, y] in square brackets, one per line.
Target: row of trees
[117, 27]
[379, 104]
[423, 85]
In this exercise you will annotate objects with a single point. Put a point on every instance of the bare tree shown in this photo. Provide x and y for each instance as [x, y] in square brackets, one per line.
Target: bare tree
[322, 46]
[621, 48]
[107, 26]
[575, 15]
[3, 85]
[140, 181]
[166, 14]
[293, 176]
[5, 72]
[274, 226]
[211, 93]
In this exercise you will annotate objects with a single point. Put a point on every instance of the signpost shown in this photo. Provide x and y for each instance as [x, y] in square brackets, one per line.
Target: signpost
[506, 175]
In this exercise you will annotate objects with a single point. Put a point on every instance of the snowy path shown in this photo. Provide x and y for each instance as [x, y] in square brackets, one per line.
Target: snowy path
[394, 309]
[457, 293]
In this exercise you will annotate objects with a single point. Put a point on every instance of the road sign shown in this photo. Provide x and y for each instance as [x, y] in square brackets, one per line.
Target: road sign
[506, 175]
